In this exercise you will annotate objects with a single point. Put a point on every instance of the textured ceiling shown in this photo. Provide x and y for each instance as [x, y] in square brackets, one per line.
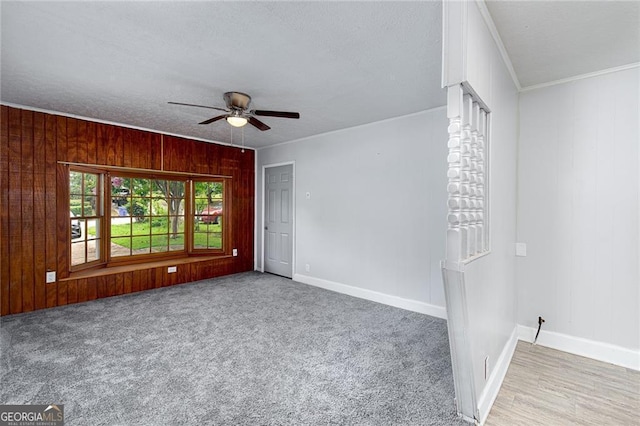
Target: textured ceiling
[338, 64]
[553, 40]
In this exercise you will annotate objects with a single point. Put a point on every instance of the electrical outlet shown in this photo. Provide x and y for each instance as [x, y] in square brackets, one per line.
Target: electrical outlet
[172, 269]
[51, 277]
[235, 252]
[307, 268]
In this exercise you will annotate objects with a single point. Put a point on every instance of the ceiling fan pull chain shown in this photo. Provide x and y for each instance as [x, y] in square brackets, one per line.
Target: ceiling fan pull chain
[242, 132]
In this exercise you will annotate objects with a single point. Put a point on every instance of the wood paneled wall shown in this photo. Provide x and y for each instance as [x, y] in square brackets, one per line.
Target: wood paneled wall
[33, 239]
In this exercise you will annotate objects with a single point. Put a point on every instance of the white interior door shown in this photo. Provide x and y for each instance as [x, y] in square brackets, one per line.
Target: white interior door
[278, 220]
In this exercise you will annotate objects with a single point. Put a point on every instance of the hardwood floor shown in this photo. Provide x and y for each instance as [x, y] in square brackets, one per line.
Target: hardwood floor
[548, 387]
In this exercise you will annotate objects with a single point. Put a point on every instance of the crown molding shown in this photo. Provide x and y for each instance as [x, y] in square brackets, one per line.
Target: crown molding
[581, 77]
[484, 11]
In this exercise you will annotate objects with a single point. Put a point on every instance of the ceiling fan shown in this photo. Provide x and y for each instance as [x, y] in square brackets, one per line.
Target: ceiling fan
[238, 113]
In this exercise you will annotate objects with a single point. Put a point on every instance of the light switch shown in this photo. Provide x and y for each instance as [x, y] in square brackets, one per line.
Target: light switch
[521, 249]
[51, 276]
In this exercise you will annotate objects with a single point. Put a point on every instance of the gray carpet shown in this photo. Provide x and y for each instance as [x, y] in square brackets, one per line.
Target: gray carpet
[248, 349]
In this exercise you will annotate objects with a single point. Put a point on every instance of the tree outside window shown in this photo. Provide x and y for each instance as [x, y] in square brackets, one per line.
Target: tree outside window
[209, 205]
[145, 216]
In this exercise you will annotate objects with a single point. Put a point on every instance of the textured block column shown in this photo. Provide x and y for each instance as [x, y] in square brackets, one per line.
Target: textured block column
[467, 203]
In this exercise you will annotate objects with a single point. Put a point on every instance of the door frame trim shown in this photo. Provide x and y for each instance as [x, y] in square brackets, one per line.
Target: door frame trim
[293, 213]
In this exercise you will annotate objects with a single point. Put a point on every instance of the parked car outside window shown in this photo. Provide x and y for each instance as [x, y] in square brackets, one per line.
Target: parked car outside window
[76, 230]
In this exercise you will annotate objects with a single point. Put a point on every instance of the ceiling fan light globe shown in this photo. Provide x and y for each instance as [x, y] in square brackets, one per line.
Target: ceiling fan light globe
[237, 121]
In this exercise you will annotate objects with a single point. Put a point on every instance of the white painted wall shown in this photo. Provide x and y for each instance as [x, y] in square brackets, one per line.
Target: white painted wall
[578, 209]
[376, 218]
[489, 285]
[491, 280]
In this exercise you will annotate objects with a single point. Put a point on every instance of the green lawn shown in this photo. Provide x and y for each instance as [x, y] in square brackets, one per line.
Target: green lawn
[155, 233]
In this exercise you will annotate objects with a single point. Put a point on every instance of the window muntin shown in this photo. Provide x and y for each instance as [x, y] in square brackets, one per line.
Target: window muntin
[147, 216]
[127, 216]
[209, 207]
[85, 218]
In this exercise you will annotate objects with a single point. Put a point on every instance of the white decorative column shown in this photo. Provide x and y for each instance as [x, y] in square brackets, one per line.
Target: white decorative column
[454, 173]
[482, 205]
[466, 187]
[475, 219]
[467, 237]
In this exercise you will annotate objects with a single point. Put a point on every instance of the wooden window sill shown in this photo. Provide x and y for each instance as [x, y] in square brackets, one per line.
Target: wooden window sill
[89, 273]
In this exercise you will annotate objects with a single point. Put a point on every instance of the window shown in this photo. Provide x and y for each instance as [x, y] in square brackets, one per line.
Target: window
[148, 217]
[85, 215]
[209, 207]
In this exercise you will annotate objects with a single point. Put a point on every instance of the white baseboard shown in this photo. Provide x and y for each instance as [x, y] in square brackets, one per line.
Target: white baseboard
[374, 296]
[498, 373]
[600, 351]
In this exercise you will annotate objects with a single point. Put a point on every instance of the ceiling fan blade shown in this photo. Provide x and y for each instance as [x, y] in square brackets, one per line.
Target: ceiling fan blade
[211, 120]
[257, 123]
[281, 114]
[199, 106]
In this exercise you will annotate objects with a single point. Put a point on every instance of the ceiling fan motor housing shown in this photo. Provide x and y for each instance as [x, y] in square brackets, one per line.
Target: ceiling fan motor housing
[237, 100]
